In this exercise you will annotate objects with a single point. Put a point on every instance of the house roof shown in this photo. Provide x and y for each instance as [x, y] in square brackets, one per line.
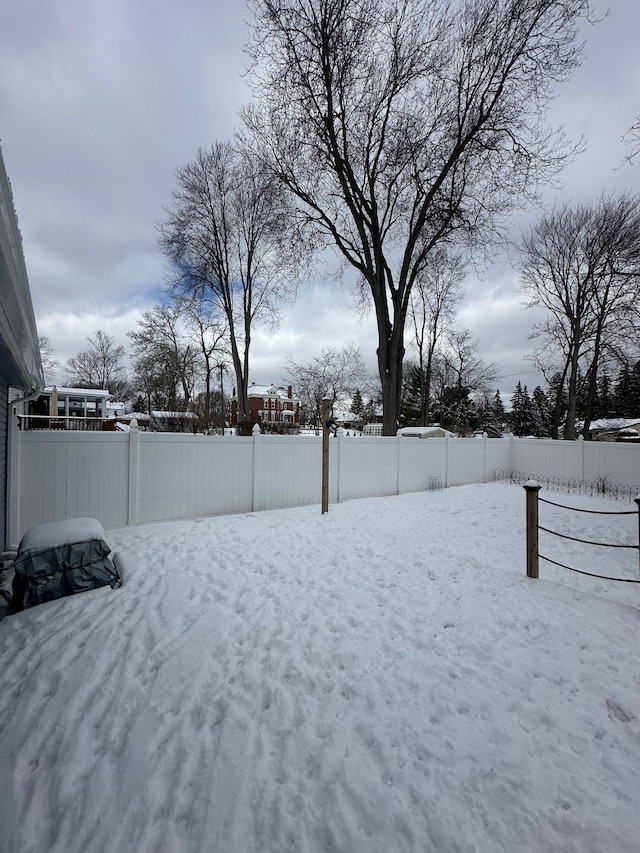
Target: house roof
[173, 415]
[20, 361]
[425, 432]
[272, 390]
[89, 393]
[613, 423]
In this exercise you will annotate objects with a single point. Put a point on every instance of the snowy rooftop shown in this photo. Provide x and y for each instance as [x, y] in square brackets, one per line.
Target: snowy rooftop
[89, 393]
[426, 432]
[613, 423]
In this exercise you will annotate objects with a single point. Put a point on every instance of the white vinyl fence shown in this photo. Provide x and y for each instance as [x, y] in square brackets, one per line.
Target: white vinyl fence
[137, 477]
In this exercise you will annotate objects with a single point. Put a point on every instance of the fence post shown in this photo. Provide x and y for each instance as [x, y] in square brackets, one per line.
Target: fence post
[255, 443]
[446, 462]
[637, 503]
[134, 439]
[326, 414]
[532, 488]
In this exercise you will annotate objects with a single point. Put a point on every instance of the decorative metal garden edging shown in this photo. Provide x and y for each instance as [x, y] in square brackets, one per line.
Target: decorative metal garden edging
[570, 485]
[532, 489]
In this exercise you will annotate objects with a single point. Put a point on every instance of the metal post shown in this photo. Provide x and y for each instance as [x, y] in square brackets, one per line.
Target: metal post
[326, 414]
[532, 488]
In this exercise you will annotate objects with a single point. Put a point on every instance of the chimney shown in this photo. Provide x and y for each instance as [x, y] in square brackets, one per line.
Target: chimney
[289, 392]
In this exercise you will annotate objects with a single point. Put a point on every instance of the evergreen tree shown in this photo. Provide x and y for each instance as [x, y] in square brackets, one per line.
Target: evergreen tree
[370, 411]
[582, 388]
[558, 402]
[521, 418]
[604, 406]
[483, 414]
[498, 413]
[357, 406]
[411, 381]
[541, 413]
[491, 416]
[454, 409]
[140, 405]
[622, 394]
[633, 392]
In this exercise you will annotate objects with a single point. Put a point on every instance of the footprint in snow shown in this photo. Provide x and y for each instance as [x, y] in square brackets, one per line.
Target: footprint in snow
[617, 713]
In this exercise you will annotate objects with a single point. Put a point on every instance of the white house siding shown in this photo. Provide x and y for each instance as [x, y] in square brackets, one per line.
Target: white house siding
[4, 392]
[20, 363]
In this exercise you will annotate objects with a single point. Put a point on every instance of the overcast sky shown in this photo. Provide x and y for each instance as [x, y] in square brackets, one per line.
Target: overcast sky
[102, 100]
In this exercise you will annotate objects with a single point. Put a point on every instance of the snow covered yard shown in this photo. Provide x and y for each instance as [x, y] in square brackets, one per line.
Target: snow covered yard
[382, 678]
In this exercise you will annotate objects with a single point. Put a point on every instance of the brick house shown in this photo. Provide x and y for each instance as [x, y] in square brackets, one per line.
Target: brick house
[268, 404]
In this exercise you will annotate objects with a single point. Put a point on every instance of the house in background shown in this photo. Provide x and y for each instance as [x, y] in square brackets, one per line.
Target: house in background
[173, 422]
[67, 408]
[434, 431]
[21, 375]
[615, 429]
[269, 405]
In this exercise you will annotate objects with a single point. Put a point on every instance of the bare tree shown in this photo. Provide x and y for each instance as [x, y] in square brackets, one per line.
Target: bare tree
[335, 374]
[50, 364]
[461, 378]
[458, 365]
[583, 265]
[226, 234]
[434, 297]
[101, 365]
[399, 123]
[632, 139]
[164, 356]
[209, 335]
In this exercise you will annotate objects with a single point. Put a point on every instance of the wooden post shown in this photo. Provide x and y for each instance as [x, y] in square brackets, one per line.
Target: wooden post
[637, 503]
[532, 488]
[326, 414]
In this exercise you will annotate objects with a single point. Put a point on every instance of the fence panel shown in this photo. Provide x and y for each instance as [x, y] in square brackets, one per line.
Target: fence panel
[186, 476]
[557, 458]
[368, 466]
[138, 477]
[288, 471]
[419, 461]
[498, 455]
[603, 466]
[580, 460]
[69, 475]
[466, 463]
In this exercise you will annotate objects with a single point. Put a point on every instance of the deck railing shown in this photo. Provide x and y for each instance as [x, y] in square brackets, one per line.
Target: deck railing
[71, 422]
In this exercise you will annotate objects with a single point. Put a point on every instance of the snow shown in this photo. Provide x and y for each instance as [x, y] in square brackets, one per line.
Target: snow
[382, 678]
[54, 534]
[612, 423]
[426, 432]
